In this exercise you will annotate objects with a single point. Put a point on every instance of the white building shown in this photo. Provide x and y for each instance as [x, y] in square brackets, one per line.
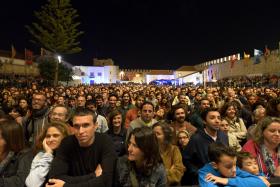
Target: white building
[95, 74]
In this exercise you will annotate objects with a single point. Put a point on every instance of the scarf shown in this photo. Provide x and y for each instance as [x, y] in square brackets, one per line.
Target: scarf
[268, 161]
[6, 161]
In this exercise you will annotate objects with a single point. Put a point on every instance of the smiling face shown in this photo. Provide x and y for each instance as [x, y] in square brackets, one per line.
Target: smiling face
[180, 115]
[38, 101]
[213, 121]
[231, 112]
[117, 120]
[53, 137]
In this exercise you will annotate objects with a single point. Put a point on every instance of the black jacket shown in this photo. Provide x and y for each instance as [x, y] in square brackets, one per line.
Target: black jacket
[197, 152]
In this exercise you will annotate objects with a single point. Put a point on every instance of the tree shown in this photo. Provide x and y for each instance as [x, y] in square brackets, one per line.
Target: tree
[47, 69]
[57, 28]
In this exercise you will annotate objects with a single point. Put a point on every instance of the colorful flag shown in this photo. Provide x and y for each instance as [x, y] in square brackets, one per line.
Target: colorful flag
[257, 54]
[233, 59]
[266, 53]
[28, 57]
[246, 56]
[246, 59]
[14, 52]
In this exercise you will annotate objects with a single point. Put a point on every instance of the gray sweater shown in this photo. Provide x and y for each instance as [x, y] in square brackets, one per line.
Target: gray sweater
[39, 169]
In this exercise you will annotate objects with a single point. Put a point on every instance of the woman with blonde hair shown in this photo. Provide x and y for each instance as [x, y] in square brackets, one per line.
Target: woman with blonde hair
[265, 146]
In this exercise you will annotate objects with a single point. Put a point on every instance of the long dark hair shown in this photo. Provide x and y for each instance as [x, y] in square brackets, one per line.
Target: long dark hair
[12, 133]
[147, 142]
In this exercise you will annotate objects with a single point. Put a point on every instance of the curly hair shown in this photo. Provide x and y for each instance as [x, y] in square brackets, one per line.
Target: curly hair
[224, 108]
[261, 126]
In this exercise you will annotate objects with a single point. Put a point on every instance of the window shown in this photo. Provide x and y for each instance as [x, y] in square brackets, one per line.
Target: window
[91, 75]
[99, 74]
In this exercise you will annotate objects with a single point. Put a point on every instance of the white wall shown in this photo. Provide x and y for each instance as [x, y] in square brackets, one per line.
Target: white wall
[96, 74]
[195, 78]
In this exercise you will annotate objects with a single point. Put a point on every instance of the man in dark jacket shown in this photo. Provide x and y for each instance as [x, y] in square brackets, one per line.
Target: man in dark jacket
[197, 148]
[38, 118]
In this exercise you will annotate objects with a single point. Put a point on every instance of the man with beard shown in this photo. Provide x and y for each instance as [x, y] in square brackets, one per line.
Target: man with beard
[38, 119]
[133, 113]
[179, 122]
[195, 118]
[101, 106]
[197, 147]
[146, 118]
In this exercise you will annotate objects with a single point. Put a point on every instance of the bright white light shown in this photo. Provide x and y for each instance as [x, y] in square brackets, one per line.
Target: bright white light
[59, 59]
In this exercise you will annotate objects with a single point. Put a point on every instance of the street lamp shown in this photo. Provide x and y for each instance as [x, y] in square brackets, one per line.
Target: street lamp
[58, 61]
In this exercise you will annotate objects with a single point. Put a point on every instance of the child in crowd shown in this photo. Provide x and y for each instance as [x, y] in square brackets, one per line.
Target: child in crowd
[247, 162]
[222, 170]
[232, 140]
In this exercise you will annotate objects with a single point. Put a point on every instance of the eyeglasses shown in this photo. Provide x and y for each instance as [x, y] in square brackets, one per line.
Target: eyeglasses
[57, 114]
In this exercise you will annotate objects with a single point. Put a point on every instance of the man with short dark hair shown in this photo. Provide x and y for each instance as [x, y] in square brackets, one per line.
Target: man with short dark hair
[79, 155]
[195, 118]
[133, 113]
[179, 122]
[145, 119]
[197, 147]
[101, 120]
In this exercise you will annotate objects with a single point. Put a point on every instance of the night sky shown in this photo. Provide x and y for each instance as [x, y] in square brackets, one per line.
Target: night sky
[155, 34]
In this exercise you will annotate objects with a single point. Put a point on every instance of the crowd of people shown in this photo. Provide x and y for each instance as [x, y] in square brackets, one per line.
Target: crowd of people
[139, 135]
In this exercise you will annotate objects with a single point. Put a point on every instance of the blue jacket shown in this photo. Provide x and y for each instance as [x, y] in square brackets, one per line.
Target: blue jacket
[242, 179]
[197, 153]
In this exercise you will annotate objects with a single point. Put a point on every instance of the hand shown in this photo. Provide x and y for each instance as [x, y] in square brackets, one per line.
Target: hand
[264, 179]
[98, 170]
[46, 147]
[55, 183]
[210, 177]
